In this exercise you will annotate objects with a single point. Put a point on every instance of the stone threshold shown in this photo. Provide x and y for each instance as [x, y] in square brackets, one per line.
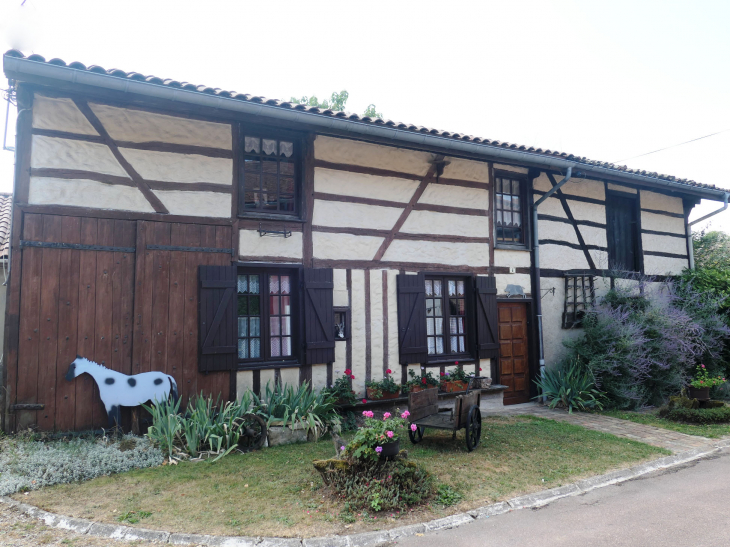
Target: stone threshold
[367, 539]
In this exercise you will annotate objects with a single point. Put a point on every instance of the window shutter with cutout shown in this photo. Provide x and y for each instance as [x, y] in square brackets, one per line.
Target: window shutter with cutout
[217, 318]
[412, 318]
[319, 316]
[486, 317]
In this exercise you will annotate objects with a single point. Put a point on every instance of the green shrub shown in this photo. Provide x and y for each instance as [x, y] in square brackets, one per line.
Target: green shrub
[377, 486]
[569, 386]
[700, 416]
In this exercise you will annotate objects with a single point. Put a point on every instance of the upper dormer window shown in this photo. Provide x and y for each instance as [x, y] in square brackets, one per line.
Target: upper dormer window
[270, 174]
[509, 210]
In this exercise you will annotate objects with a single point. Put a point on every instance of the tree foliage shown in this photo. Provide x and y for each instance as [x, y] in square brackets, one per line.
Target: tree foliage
[336, 102]
[711, 250]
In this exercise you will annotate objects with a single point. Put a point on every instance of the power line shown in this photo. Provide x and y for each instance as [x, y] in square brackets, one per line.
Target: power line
[672, 146]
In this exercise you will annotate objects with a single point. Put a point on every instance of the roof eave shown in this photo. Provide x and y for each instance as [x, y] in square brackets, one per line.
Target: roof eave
[21, 69]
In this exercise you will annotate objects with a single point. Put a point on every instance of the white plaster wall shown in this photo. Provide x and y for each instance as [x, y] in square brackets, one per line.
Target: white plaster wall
[600, 258]
[197, 204]
[172, 167]
[332, 181]
[486, 367]
[551, 206]
[557, 230]
[319, 376]
[661, 202]
[344, 246]
[455, 196]
[662, 223]
[562, 258]
[662, 265]
[587, 211]
[593, 236]
[371, 155]
[358, 331]
[376, 325]
[438, 252]
[60, 115]
[430, 222]
[267, 377]
[585, 188]
[289, 377]
[504, 167]
[541, 183]
[250, 243]
[517, 259]
[244, 382]
[86, 193]
[477, 171]
[665, 244]
[126, 124]
[552, 320]
[340, 364]
[503, 280]
[393, 347]
[339, 293]
[53, 153]
[620, 188]
[354, 215]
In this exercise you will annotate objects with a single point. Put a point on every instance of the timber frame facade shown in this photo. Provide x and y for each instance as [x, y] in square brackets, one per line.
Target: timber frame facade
[155, 232]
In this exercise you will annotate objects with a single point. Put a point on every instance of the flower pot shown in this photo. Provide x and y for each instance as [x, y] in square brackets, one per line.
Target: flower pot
[390, 450]
[456, 385]
[701, 394]
[383, 397]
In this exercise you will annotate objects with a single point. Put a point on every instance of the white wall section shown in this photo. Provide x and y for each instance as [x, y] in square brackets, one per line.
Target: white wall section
[329, 246]
[126, 124]
[171, 167]
[86, 193]
[354, 215]
[60, 115]
[476, 171]
[197, 204]
[455, 196]
[438, 252]
[431, 222]
[352, 152]
[346, 183]
[53, 153]
[250, 243]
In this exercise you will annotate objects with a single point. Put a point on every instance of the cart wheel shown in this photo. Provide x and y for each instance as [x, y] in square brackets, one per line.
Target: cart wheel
[253, 432]
[417, 435]
[473, 428]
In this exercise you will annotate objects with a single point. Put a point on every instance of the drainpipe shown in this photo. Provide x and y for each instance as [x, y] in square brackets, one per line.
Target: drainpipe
[536, 251]
[689, 229]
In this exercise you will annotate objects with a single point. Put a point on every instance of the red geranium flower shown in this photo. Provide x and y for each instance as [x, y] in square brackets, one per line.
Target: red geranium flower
[442, 373]
[348, 371]
[456, 363]
[388, 371]
[364, 401]
[480, 369]
[352, 376]
[423, 380]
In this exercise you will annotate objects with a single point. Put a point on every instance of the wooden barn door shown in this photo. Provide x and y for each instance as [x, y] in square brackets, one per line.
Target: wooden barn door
[166, 302]
[514, 370]
[77, 281]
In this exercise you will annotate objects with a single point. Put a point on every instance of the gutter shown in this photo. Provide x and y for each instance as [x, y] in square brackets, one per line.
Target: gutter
[16, 68]
[536, 255]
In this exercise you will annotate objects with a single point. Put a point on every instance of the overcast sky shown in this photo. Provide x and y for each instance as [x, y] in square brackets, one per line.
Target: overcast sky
[609, 80]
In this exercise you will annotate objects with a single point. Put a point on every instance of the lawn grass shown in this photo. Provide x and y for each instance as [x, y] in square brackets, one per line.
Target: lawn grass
[713, 431]
[276, 492]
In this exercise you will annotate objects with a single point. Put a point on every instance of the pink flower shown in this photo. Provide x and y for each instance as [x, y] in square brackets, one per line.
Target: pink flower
[414, 427]
[386, 415]
[364, 401]
[370, 414]
[378, 449]
[342, 448]
[389, 434]
[406, 413]
[352, 377]
[703, 366]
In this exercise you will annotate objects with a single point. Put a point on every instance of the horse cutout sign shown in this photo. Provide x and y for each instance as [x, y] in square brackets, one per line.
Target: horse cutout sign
[117, 389]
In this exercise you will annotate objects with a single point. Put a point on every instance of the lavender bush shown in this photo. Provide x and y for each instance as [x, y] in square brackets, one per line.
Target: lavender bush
[642, 341]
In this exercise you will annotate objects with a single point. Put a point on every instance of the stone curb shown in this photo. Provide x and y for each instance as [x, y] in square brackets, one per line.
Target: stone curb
[367, 539]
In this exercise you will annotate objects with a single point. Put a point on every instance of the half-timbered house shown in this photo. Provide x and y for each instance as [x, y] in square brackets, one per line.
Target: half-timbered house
[230, 240]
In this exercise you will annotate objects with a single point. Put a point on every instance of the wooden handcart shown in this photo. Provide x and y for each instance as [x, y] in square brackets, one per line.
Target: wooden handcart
[424, 413]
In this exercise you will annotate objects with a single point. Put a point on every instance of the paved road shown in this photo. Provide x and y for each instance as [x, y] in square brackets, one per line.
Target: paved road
[684, 506]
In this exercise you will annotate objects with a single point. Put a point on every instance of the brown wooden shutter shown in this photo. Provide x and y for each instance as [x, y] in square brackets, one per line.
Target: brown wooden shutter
[486, 317]
[319, 316]
[412, 318]
[217, 317]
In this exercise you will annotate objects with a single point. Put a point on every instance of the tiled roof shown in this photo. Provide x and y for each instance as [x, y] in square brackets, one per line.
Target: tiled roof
[350, 116]
[6, 202]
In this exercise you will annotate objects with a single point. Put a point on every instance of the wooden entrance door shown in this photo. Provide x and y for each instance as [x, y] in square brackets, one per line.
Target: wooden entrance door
[514, 371]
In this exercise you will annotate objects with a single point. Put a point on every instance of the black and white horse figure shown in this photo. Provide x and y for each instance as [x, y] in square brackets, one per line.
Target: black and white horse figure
[117, 389]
